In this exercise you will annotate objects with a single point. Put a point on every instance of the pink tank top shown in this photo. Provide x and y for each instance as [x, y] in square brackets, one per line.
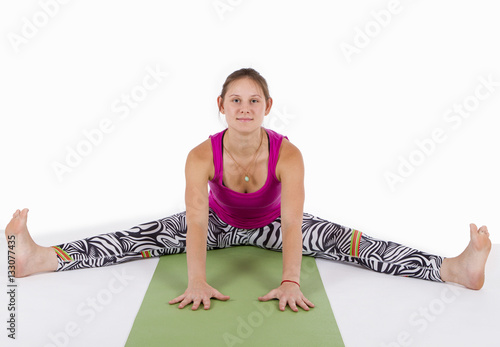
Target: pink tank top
[246, 210]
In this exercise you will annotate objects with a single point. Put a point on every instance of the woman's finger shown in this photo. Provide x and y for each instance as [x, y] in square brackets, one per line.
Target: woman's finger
[185, 302]
[206, 303]
[302, 304]
[217, 295]
[310, 304]
[269, 296]
[282, 304]
[177, 299]
[196, 303]
[292, 305]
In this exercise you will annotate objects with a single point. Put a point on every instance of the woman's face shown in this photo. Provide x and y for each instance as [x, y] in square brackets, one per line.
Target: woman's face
[244, 105]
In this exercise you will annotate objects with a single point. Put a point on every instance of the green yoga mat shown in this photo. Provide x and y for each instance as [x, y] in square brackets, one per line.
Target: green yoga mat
[244, 273]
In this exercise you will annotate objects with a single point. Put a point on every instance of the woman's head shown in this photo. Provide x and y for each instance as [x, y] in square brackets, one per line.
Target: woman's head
[246, 73]
[245, 100]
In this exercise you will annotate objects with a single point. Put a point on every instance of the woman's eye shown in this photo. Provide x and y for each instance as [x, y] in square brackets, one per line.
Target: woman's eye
[236, 100]
[255, 101]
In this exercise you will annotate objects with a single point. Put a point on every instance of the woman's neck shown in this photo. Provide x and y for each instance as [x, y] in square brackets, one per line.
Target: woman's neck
[243, 145]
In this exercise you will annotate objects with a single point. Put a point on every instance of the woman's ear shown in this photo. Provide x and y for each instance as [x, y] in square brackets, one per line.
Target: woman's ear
[269, 104]
[220, 104]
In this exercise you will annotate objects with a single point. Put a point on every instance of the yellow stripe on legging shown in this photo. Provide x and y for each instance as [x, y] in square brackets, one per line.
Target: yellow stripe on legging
[355, 239]
[62, 254]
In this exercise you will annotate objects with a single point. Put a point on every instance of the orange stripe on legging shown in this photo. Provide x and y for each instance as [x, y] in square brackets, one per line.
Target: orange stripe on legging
[62, 254]
[355, 239]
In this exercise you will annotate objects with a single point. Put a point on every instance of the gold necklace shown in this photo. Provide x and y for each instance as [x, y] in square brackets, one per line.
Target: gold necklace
[253, 161]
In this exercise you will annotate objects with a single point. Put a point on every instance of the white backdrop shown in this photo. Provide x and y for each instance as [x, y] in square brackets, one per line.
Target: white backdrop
[394, 105]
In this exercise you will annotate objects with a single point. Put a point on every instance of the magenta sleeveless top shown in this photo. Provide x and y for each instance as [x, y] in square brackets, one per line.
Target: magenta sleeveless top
[246, 210]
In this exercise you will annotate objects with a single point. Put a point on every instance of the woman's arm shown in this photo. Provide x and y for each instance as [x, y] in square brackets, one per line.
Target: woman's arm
[290, 171]
[291, 174]
[196, 217]
[198, 167]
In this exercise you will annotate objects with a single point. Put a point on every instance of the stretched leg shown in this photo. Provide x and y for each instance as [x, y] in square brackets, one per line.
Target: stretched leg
[152, 239]
[328, 240]
[324, 239]
[156, 238]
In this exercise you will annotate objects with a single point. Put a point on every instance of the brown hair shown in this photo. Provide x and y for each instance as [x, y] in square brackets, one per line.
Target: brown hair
[248, 73]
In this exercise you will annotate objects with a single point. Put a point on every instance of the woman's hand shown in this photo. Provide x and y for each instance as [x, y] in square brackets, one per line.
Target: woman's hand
[288, 294]
[198, 293]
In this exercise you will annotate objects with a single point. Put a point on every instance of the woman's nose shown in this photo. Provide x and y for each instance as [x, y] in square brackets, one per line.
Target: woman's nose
[245, 108]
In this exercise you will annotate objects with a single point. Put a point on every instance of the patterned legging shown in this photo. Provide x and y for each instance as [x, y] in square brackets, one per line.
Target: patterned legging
[321, 239]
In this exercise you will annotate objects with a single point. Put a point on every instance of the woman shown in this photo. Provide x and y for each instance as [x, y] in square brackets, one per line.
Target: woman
[256, 180]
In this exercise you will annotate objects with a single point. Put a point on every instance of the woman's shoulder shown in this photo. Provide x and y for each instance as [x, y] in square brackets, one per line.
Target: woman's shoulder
[286, 148]
[290, 159]
[199, 161]
[289, 150]
[202, 152]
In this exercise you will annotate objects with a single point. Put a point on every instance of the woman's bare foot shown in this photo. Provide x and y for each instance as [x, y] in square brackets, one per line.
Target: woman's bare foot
[30, 258]
[468, 268]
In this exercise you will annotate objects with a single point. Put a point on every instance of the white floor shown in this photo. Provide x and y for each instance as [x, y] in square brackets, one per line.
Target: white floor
[97, 307]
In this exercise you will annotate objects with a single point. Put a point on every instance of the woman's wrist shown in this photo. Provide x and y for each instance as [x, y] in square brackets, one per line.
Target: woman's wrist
[196, 283]
[290, 281]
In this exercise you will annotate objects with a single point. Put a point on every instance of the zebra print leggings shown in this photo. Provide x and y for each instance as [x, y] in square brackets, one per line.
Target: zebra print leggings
[321, 238]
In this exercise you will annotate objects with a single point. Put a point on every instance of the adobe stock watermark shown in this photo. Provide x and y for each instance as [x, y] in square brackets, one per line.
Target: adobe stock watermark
[88, 310]
[453, 117]
[372, 29]
[222, 7]
[122, 108]
[424, 316]
[248, 324]
[31, 25]
[278, 120]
